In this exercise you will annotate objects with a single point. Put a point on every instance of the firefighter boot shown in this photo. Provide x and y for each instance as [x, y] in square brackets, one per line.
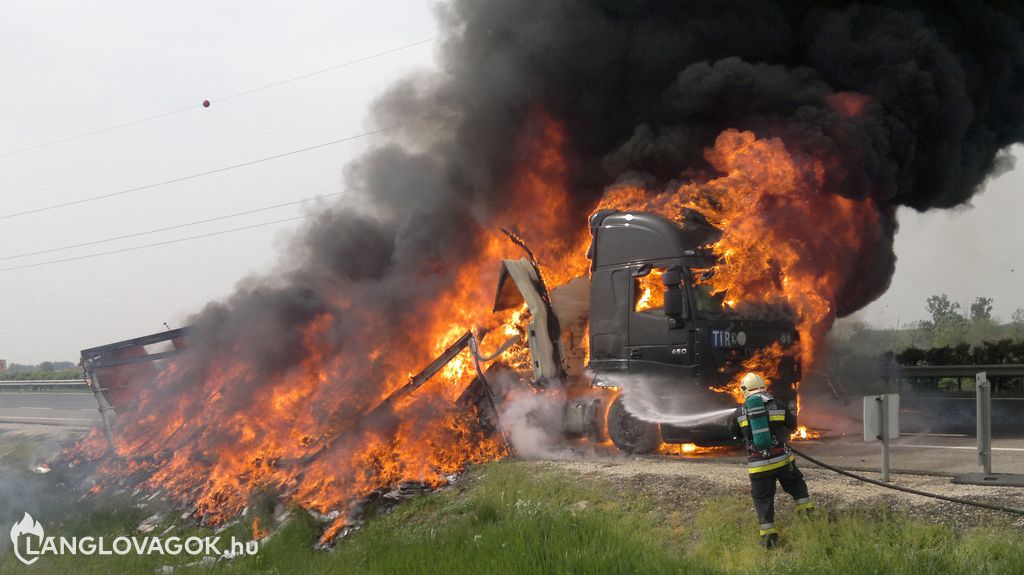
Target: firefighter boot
[770, 540]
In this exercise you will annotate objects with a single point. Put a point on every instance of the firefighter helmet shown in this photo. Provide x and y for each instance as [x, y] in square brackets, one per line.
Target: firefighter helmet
[751, 383]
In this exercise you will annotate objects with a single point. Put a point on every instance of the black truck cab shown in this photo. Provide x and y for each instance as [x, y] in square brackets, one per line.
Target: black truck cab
[651, 318]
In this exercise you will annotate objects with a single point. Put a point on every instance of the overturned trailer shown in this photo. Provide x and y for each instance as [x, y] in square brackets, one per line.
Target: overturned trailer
[116, 371]
[652, 330]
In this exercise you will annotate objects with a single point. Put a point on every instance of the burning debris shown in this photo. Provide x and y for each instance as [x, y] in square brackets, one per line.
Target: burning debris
[775, 139]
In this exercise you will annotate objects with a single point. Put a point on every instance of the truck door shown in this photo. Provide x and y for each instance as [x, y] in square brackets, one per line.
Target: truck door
[654, 344]
[609, 318]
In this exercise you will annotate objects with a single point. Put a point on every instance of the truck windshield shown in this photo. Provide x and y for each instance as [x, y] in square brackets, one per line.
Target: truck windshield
[708, 304]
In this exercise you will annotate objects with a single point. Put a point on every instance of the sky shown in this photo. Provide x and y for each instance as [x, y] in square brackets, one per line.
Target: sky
[77, 67]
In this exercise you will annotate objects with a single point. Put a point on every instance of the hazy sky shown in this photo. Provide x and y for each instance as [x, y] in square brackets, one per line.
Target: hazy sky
[74, 67]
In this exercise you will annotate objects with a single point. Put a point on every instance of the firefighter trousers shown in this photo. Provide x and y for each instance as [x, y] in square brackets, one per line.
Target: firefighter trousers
[762, 488]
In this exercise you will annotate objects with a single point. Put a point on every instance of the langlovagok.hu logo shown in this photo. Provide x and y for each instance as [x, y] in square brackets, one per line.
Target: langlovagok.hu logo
[30, 543]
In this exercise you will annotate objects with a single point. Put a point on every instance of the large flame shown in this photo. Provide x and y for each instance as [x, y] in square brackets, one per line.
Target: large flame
[322, 442]
[311, 435]
[785, 240]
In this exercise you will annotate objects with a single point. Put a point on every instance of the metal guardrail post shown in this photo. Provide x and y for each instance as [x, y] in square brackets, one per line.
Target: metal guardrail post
[882, 424]
[883, 406]
[984, 398]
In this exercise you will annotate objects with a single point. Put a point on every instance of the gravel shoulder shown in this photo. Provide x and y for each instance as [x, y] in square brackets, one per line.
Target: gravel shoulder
[685, 483]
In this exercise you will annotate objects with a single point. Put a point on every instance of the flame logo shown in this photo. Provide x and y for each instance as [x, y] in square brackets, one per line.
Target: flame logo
[27, 526]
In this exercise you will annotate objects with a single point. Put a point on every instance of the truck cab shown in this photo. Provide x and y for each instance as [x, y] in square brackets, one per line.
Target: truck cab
[654, 324]
[662, 347]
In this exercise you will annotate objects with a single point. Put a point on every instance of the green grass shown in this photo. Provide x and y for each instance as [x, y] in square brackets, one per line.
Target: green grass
[520, 518]
[863, 541]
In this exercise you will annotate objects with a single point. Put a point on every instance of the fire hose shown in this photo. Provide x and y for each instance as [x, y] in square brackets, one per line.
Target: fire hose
[852, 475]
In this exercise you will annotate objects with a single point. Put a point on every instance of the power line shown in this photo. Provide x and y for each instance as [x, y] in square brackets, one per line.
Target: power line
[210, 172]
[168, 228]
[220, 99]
[153, 245]
[325, 70]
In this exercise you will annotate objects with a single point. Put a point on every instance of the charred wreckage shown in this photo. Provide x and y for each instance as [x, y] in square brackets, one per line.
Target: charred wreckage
[641, 315]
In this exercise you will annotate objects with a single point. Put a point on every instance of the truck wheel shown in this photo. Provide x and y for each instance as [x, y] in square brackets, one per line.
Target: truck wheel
[630, 434]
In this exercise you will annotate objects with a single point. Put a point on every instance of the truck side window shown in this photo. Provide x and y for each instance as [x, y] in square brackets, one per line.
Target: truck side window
[649, 293]
[707, 304]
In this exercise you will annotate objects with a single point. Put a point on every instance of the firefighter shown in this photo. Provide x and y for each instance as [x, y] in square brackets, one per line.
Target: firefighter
[764, 424]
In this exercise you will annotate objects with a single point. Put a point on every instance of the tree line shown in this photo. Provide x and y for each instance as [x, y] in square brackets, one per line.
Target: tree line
[49, 370]
[951, 336]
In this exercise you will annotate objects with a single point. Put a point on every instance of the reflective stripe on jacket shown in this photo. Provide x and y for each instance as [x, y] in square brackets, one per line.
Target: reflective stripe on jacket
[780, 422]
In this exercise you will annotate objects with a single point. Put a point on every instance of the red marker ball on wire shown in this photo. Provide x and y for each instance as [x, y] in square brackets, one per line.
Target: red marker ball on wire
[206, 103]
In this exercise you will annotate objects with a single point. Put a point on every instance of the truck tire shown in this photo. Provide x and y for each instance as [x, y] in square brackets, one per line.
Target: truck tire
[630, 434]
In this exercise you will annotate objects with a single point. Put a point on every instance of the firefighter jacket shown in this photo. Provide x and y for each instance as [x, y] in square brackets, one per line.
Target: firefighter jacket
[781, 421]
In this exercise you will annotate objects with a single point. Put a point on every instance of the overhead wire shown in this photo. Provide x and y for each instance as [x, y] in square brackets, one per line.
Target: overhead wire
[210, 172]
[324, 70]
[194, 176]
[153, 245]
[174, 227]
[219, 99]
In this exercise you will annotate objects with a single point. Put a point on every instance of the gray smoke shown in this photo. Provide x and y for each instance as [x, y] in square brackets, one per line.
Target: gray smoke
[533, 423]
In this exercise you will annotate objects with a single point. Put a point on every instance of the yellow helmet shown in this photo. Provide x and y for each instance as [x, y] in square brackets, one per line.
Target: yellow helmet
[752, 383]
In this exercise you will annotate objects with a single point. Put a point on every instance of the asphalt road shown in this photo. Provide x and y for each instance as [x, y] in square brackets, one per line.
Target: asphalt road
[65, 409]
[938, 454]
[62, 413]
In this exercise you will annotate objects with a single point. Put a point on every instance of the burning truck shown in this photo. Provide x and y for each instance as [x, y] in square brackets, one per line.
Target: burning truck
[645, 318]
[652, 327]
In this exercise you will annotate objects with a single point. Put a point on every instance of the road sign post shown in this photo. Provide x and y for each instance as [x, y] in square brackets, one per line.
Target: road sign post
[881, 423]
[984, 399]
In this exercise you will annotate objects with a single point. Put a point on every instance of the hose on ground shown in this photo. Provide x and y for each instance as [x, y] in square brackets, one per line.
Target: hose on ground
[906, 489]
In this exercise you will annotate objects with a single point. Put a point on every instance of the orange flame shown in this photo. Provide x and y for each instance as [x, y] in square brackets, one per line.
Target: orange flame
[692, 450]
[651, 291]
[258, 533]
[802, 434]
[766, 258]
[311, 433]
[323, 442]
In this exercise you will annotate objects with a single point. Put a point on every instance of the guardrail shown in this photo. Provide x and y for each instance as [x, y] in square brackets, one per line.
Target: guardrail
[44, 385]
[1000, 369]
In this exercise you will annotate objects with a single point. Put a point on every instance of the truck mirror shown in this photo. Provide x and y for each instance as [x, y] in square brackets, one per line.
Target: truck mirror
[674, 308]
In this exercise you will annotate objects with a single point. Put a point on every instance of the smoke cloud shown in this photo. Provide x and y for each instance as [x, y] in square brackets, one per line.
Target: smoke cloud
[916, 98]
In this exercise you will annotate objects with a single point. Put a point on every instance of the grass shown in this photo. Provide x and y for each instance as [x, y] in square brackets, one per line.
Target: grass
[520, 518]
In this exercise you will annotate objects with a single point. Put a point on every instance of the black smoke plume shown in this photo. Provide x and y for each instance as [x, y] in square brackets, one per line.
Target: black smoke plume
[919, 99]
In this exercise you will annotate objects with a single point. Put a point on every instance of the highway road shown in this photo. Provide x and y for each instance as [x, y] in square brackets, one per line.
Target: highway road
[62, 413]
[65, 409]
[931, 454]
